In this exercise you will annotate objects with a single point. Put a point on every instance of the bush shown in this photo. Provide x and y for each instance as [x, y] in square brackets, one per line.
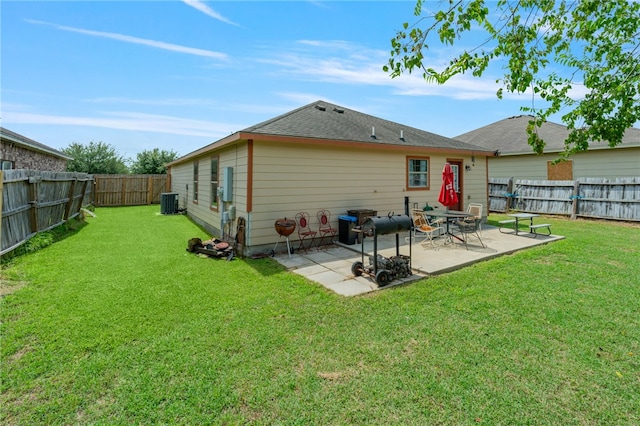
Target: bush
[40, 241]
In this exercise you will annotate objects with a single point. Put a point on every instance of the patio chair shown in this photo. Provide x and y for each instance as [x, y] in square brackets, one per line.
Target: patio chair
[476, 210]
[325, 229]
[424, 228]
[304, 231]
[467, 228]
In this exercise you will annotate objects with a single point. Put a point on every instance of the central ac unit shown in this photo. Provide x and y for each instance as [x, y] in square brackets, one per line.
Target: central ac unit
[169, 203]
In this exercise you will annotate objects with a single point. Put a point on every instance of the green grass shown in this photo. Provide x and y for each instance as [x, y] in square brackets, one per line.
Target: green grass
[118, 324]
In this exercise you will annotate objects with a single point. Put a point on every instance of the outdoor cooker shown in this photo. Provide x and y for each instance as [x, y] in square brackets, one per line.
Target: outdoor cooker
[385, 269]
[284, 228]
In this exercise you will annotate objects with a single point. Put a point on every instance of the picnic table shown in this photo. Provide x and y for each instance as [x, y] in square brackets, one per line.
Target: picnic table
[534, 229]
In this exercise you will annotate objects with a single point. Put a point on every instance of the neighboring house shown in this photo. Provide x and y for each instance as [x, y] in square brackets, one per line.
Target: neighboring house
[319, 156]
[515, 157]
[20, 152]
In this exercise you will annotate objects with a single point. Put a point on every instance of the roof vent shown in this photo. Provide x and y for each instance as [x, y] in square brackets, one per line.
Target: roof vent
[338, 110]
[402, 135]
[373, 132]
[321, 107]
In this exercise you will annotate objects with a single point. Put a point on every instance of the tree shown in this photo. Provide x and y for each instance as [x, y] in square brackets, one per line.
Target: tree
[153, 162]
[94, 158]
[549, 46]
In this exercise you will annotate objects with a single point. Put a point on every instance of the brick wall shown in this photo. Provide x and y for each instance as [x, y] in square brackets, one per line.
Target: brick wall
[27, 159]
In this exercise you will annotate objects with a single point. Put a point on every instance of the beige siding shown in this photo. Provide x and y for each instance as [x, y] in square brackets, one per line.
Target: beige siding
[475, 184]
[597, 163]
[181, 176]
[607, 163]
[289, 178]
[201, 212]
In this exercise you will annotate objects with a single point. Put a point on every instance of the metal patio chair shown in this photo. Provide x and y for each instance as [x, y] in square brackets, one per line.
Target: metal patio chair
[304, 231]
[424, 228]
[476, 210]
[325, 229]
[468, 228]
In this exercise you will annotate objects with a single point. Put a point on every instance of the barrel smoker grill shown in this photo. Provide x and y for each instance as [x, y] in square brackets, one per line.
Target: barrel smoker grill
[384, 269]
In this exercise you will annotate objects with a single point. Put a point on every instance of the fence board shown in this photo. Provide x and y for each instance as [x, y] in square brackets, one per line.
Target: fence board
[128, 190]
[34, 201]
[601, 198]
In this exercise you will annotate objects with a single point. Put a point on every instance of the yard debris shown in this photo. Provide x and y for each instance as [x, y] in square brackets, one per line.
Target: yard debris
[212, 248]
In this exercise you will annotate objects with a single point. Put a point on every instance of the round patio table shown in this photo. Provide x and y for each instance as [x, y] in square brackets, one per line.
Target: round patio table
[450, 216]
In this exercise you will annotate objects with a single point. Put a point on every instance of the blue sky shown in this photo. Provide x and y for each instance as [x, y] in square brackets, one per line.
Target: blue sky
[178, 75]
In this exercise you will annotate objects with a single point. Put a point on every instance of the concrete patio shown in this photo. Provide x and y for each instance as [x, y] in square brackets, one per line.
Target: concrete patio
[330, 266]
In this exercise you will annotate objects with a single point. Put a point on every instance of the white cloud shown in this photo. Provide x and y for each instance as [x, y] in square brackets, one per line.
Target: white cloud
[137, 40]
[362, 66]
[202, 7]
[130, 121]
[181, 102]
[326, 61]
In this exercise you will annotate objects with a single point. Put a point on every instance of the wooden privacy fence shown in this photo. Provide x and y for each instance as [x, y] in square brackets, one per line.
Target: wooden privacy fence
[35, 201]
[128, 190]
[599, 198]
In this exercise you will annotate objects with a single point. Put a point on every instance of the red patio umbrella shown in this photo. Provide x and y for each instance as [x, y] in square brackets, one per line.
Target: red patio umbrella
[448, 196]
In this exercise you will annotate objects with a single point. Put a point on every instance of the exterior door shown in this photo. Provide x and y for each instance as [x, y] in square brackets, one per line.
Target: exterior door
[456, 168]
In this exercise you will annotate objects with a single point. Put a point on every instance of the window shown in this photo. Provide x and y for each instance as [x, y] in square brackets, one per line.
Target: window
[418, 173]
[195, 181]
[214, 183]
[6, 165]
[455, 168]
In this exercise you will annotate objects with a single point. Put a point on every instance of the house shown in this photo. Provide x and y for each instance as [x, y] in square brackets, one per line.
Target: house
[515, 157]
[319, 156]
[20, 152]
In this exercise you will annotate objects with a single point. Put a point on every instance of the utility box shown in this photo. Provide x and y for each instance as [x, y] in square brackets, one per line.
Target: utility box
[345, 229]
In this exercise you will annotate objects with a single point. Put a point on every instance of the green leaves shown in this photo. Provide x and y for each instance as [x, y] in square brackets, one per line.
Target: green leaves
[597, 43]
[94, 158]
[153, 161]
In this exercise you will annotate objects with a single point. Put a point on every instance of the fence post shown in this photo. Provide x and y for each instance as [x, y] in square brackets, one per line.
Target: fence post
[123, 201]
[84, 191]
[72, 190]
[574, 201]
[33, 200]
[509, 195]
[149, 189]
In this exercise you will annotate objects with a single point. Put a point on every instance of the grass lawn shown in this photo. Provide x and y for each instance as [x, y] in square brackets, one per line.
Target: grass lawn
[118, 324]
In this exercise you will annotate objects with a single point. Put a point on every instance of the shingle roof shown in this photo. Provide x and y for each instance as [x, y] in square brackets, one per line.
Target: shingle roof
[509, 136]
[31, 144]
[323, 120]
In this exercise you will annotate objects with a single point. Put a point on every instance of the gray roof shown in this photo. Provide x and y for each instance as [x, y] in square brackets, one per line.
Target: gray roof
[323, 120]
[509, 136]
[27, 143]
